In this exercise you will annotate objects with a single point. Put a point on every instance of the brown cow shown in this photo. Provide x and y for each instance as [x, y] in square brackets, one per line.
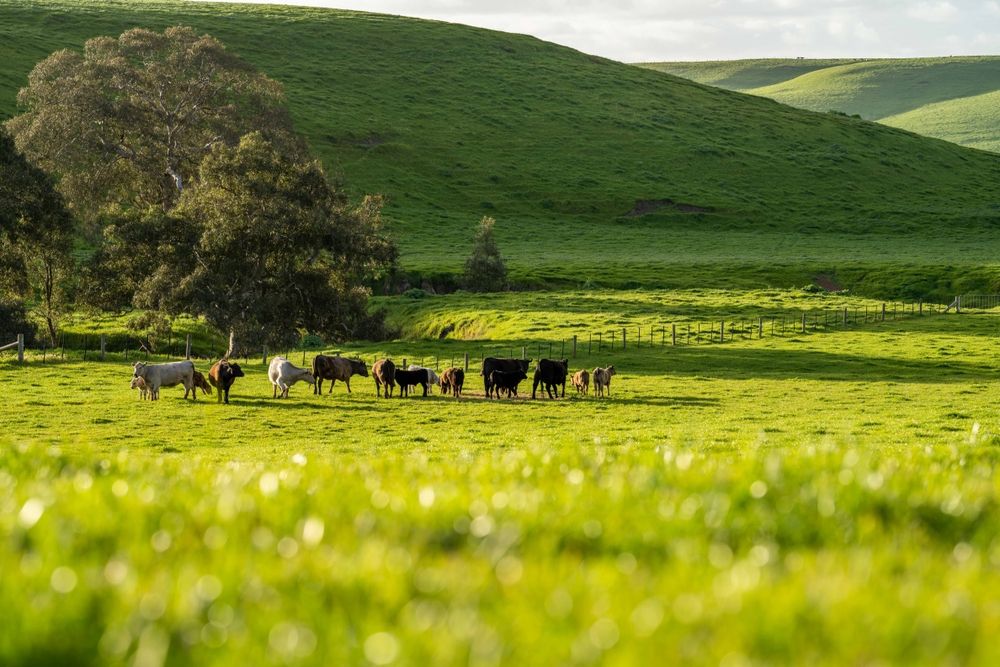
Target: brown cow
[384, 372]
[581, 380]
[452, 380]
[201, 383]
[222, 375]
[140, 384]
[336, 368]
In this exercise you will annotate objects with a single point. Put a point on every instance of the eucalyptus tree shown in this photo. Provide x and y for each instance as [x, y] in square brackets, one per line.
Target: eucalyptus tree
[261, 245]
[125, 123]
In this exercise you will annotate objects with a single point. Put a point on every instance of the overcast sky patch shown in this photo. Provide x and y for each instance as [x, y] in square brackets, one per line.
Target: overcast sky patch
[650, 30]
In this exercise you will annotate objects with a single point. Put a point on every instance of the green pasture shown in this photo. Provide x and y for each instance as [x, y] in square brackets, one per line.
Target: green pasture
[950, 98]
[825, 498]
[452, 123]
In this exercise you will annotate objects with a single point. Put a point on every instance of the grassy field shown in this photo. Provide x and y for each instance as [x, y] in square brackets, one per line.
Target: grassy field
[823, 498]
[813, 498]
[453, 123]
[949, 98]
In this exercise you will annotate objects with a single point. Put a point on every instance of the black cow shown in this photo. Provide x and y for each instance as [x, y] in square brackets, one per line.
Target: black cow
[491, 364]
[506, 381]
[407, 379]
[551, 373]
[222, 375]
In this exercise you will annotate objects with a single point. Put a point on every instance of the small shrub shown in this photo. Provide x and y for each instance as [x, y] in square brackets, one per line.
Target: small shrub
[313, 342]
[485, 269]
[415, 293]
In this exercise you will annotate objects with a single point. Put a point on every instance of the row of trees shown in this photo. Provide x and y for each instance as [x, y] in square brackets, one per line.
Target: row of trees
[161, 172]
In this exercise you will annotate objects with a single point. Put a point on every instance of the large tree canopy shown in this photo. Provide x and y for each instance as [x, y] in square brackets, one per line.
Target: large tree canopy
[261, 245]
[36, 237]
[126, 123]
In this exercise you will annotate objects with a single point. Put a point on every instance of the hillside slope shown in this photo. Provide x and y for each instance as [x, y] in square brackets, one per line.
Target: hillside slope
[873, 89]
[453, 123]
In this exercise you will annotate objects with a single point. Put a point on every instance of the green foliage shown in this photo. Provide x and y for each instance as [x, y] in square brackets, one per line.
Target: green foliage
[415, 293]
[261, 245]
[36, 238]
[127, 122]
[485, 269]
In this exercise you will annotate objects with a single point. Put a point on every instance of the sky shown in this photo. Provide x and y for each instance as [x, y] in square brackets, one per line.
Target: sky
[650, 30]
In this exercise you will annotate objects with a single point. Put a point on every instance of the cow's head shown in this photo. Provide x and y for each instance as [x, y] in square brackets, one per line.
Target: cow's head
[138, 369]
[360, 367]
[235, 371]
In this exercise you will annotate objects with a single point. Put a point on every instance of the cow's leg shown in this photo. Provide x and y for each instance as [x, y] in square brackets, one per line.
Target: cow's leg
[332, 382]
[227, 395]
[348, 383]
[425, 389]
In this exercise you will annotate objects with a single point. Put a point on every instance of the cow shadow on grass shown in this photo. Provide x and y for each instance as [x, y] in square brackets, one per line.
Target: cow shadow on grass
[664, 401]
[305, 404]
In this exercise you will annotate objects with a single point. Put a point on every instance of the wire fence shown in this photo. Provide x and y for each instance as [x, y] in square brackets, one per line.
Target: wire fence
[634, 338]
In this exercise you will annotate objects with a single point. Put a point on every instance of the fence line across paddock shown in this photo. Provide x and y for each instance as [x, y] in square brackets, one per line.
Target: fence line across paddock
[469, 354]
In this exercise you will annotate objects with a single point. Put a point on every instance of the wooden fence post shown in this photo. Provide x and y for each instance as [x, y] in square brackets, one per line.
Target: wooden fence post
[722, 331]
[20, 348]
[187, 347]
[574, 346]
[104, 345]
[264, 360]
[883, 312]
[803, 322]
[760, 328]
[673, 334]
[466, 362]
[623, 339]
[846, 317]
[921, 307]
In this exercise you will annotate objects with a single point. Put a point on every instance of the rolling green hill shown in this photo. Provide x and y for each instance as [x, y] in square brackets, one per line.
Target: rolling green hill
[938, 97]
[453, 123]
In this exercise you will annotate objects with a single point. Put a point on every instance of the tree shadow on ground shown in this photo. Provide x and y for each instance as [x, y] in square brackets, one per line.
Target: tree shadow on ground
[743, 363]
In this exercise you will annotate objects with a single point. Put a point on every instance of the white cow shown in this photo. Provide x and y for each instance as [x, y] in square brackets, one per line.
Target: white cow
[431, 375]
[166, 375]
[283, 375]
[602, 380]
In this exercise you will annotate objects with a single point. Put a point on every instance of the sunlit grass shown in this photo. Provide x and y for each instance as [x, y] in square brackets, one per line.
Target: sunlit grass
[824, 498]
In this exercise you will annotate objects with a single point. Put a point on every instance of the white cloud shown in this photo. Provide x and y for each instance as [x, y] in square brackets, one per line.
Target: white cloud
[933, 12]
[644, 30]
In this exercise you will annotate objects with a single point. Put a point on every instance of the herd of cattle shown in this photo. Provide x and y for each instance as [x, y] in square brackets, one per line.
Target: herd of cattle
[501, 377]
